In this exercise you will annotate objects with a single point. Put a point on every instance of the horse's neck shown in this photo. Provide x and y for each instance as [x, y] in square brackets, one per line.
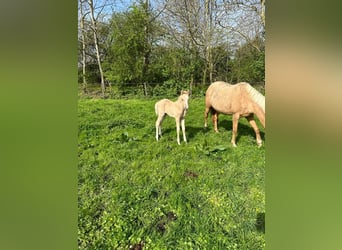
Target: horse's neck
[179, 103]
[259, 103]
[260, 113]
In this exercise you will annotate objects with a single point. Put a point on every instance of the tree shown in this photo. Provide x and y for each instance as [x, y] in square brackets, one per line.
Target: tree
[83, 42]
[245, 22]
[133, 35]
[97, 50]
[172, 42]
[249, 63]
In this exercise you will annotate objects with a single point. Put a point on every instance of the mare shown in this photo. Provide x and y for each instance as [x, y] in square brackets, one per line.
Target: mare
[238, 100]
[176, 110]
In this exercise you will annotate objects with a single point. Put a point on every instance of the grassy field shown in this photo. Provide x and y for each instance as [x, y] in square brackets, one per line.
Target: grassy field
[136, 192]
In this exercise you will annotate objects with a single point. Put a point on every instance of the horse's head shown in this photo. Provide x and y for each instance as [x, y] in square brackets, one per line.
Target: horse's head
[185, 97]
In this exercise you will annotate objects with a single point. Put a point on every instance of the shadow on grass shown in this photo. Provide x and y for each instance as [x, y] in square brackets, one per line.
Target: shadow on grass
[223, 126]
[190, 131]
[242, 129]
[260, 222]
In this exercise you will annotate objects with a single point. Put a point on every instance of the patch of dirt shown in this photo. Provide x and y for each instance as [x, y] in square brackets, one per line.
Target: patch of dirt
[191, 174]
[137, 246]
[164, 220]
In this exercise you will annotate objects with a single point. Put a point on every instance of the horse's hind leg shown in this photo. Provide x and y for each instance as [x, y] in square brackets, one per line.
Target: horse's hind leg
[256, 129]
[215, 119]
[183, 129]
[236, 118]
[214, 116]
[160, 129]
[158, 126]
[206, 112]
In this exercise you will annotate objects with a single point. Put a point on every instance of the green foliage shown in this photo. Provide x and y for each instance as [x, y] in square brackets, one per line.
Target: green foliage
[134, 190]
[92, 74]
[178, 64]
[248, 65]
[132, 36]
[169, 88]
[134, 53]
[136, 48]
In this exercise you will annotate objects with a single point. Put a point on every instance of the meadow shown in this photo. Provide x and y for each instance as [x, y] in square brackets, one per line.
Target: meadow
[137, 193]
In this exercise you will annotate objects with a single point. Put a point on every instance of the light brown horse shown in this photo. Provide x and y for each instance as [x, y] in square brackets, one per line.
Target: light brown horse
[239, 100]
[175, 109]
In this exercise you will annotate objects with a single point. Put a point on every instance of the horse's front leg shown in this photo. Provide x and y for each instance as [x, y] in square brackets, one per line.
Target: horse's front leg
[215, 120]
[177, 127]
[206, 117]
[252, 122]
[236, 118]
[158, 126]
[183, 129]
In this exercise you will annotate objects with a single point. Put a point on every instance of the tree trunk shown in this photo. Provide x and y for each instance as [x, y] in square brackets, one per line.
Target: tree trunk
[91, 5]
[204, 79]
[84, 80]
[145, 88]
[191, 84]
[146, 59]
[208, 40]
[262, 15]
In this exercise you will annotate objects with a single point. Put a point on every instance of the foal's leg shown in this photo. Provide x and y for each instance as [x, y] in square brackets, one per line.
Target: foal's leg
[256, 129]
[160, 129]
[183, 129]
[177, 127]
[158, 126]
[236, 118]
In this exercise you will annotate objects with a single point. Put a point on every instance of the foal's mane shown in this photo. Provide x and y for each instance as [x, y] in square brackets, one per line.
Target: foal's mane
[182, 93]
[256, 96]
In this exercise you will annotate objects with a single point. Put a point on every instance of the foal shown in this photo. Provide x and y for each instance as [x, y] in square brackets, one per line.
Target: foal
[176, 110]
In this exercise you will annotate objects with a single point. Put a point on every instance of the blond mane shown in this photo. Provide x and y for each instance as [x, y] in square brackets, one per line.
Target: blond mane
[257, 97]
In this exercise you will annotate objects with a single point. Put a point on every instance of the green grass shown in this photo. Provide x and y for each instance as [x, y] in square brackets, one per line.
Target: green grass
[134, 190]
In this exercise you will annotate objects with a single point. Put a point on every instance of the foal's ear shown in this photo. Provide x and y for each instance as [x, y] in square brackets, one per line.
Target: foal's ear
[184, 92]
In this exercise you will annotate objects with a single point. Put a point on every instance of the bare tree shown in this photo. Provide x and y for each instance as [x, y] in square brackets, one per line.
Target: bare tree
[151, 16]
[147, 50]
[262, 12]
[194, 22]
[246, 21]
[96, 43]
[83, 41]
[208, 36]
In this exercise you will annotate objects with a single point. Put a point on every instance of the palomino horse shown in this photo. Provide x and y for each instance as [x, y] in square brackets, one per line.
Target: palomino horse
[175, 109]
[239, 100]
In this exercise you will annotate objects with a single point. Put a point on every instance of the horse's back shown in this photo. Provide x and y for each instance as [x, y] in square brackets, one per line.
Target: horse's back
[224, 97]
[217, 95]
[160, 106]
[218, 87]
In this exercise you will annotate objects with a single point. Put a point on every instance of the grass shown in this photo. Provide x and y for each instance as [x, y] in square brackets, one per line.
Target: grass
[137, 192]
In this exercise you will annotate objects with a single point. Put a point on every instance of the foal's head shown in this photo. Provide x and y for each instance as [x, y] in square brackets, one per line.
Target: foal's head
[184, 97]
